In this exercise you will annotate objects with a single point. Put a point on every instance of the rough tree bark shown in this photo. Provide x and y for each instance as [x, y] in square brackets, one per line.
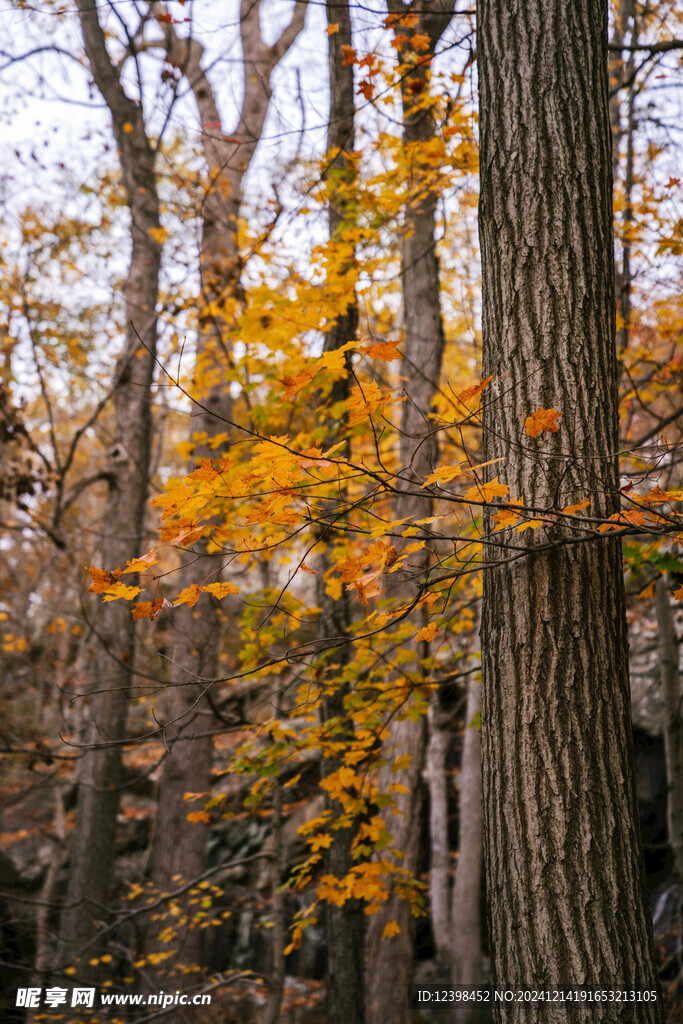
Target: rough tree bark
[439, 851]
[565, 877]
[466, 918]
[672, 708]
[198, 629]
[93, 838]
[343, 925]
[390, 962]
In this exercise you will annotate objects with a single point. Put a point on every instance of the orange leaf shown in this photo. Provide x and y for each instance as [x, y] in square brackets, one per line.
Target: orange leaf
[620, 520]
[196, 816]
[305, 568]
[350, 55]
[420, 41]
[147, 609]
[542, 420]
[468, 393]
[391, 928]
[383, 350]
[678, 594]
[571, 510]
[427, 633]
[293, 385]
[332, 29]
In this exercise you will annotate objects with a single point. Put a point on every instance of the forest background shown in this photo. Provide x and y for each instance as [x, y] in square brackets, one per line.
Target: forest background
[253, 473]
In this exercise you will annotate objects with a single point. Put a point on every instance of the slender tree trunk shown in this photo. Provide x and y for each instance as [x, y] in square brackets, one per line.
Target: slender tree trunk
[672, 705]
[93, 846]
[343, 925]
[439, 863]
[271, 1014]
[198, 629]
[565, 876]
[466, 920]
[390, 962]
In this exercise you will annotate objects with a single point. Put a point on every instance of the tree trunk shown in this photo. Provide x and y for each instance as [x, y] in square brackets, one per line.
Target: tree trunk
[344, 924]
[565, 876]
[198, 629]
[390, 961]
[672, 706]
[466, 922]
[93, 847]
[439, 864]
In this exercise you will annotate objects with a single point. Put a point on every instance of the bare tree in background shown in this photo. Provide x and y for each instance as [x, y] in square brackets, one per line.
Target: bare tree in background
[390, 961]
[93, 841]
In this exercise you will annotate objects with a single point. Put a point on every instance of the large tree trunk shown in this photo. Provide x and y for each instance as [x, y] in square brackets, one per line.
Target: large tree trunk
[93, 847]
[343, 925]
[390, 962]
[565, 877]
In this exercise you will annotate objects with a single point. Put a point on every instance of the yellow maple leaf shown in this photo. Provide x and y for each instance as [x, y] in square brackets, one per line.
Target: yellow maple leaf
[142, 563]
[190, 595]
[102, 580]
[320, 842]
[120, 590]
[427, 633]
[365, 401]
[391, 928]
[542, 420]
[220, 590]
[338, 781]
[443, 474]
[487, 492]
[531, 524]
[506, 517]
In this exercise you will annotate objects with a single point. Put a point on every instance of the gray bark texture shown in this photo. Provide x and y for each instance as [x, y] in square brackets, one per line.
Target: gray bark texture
[466, 919]
[198, 629]
[92, 854]
[343, 925]
[672, 706]
[565, 876]
[390, 962]
[439, 853]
